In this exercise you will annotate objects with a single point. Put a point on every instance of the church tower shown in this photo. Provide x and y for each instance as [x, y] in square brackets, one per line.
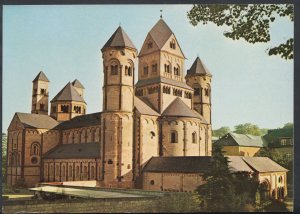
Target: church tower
[68, 103]
[119, 55]
[199, 78]
[161, 65]
[40, 94]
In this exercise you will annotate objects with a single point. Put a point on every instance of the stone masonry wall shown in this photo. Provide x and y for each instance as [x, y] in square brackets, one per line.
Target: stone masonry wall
[175, 203]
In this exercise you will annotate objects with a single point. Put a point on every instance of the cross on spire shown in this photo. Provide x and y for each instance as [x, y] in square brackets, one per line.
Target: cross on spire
[161, 13]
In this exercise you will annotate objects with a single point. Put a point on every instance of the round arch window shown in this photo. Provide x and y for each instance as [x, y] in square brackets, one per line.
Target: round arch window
[34, 160]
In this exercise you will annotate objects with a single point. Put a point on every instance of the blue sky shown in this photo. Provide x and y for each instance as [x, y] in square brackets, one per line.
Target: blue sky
[65, 42]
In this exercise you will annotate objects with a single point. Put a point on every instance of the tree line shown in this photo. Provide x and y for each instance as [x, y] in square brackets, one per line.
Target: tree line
[246, 128]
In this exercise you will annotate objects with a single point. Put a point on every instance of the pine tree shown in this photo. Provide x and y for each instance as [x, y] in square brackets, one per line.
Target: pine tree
[224, 190]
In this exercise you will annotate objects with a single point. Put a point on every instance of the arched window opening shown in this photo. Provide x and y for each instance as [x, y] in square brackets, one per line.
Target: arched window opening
[51, 170]
[77, 109]
[70, 171]
[176, 71]
[154, 68]
[173, 137]
[173, 44]
[85, 172]
[146, 70]
[264, 189]
[177, 92]
[149, 44]
[35, 149]
[77, 172]
[92, 172]
[167, 68]
[57, 171]
[114, 69]
[63, 172]
[64, 108]
[43, 91]
[194, 137]
[129, 71]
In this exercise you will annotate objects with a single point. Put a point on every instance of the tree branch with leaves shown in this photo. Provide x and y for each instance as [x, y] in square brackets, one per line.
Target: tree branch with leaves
[248, 21]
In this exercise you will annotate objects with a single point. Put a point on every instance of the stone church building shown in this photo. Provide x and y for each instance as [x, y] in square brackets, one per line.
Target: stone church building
[166, 113]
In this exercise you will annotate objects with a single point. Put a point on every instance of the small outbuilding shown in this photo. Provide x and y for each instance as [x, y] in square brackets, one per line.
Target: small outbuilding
[240, 144]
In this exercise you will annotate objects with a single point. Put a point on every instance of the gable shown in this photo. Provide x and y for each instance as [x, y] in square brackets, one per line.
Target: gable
[15, 124]
[145, 50]
[177, 51]
[227, 140]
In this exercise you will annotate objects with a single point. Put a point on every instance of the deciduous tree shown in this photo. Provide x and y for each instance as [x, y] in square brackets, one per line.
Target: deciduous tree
[248, 21]
[221, 131]
[248, 128]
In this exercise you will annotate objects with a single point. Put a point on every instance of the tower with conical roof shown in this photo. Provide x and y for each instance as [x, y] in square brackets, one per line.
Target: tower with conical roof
[67, 104]
[40, 94]
[119, 55]
[161, 66]
[199, 78]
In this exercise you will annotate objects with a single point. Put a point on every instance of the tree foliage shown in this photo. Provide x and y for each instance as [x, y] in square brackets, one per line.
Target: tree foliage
[288, 126]
[224, 190]
[248, 128]
[4, 147]
[250, 22]
[221, 131]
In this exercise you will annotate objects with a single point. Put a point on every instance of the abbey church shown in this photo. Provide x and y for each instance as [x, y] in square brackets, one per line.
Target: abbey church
[164, 114]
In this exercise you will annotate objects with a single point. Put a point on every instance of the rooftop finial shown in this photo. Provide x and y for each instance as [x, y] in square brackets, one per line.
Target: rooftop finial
[197, 54]
[161, 13]
[119, 24]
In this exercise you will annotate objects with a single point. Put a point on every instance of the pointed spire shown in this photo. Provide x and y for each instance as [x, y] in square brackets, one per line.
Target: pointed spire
[41, 77]
[198, 68]
[77, 84]
[119, 39]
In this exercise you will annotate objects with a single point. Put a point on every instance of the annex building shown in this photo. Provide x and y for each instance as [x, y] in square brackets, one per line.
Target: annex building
[166, 113]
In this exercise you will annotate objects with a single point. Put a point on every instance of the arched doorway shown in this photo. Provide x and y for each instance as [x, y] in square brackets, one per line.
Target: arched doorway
[264, 190]
[280, 193]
